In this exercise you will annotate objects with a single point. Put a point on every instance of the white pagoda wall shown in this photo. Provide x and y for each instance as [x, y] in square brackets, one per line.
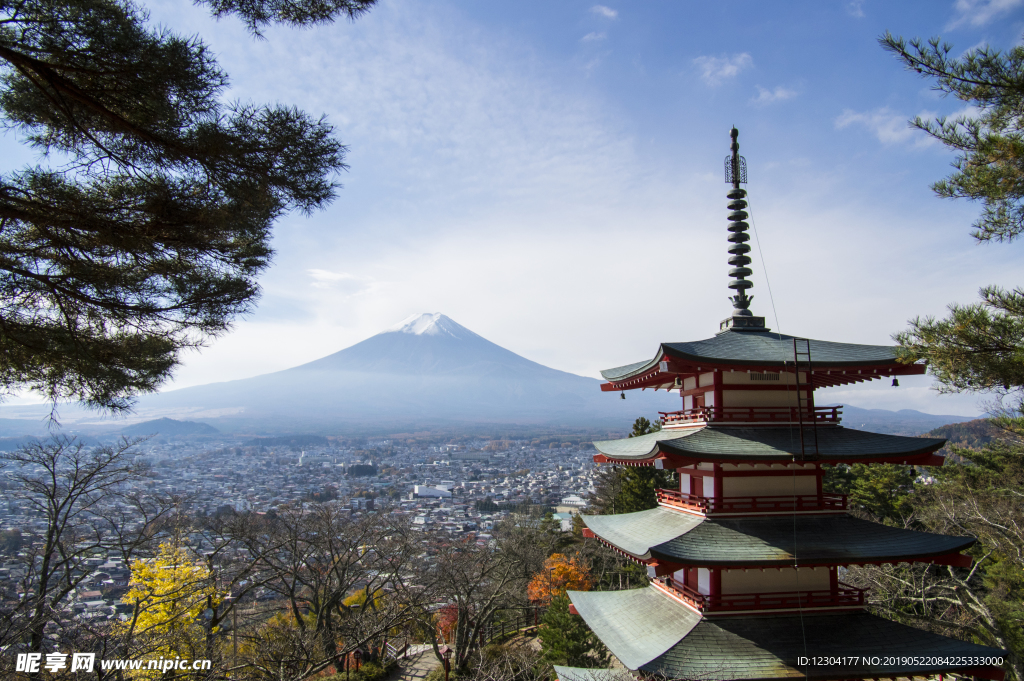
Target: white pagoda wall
[759, 398]
[774, 580]
[748, 378]
[768, 485]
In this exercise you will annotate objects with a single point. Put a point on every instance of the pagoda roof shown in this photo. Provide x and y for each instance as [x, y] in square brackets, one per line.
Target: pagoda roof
[675, 537]
[766, 444]
[636, 533]
[759, 349]
[637, 625]
[755, 648]
[650, 631]
[581, 674]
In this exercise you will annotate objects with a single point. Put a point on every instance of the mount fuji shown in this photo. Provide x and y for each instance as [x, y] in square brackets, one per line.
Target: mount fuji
[427, 371]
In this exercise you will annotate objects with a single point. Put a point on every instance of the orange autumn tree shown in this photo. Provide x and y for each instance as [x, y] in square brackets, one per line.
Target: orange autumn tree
[447, 617]
[559, 575]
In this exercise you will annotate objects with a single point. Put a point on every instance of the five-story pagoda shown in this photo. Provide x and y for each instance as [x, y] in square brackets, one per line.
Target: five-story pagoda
[746, 555]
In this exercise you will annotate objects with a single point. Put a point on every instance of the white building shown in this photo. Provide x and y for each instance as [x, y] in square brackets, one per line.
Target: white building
[432, 492]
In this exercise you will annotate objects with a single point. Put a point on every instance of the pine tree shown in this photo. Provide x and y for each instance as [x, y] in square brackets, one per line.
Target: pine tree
[883, 491]
[977, 348]
[638, 484]
[567, 640]
[146, 233]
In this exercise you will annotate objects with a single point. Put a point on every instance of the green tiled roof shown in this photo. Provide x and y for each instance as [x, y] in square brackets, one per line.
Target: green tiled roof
[636, 625]
[637, 532]
[580, 674]
[647, 630]
[759, 348]
[826, 539]
[804, 540]
[718, 443]
[753, 648]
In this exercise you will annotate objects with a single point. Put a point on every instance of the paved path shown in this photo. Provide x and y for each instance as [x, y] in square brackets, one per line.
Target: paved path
[419, 662]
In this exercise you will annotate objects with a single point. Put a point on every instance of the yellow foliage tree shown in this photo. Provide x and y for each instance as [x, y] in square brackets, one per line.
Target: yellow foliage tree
[170, 594]
[560, 574]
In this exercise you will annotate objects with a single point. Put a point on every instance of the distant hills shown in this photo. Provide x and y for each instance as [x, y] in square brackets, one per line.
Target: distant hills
[902, 422]
[167, 426]
[974, 434]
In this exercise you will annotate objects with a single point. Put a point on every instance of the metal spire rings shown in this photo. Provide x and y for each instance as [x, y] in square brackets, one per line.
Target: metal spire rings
[736, 172]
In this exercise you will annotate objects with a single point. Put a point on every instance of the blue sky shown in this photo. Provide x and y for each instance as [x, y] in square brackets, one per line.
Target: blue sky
[549, 174]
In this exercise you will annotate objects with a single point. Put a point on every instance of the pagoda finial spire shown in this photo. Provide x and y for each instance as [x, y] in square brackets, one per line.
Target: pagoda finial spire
[736, 173]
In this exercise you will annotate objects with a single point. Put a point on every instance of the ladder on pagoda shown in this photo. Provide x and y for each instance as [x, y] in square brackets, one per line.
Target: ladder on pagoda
[808, 425]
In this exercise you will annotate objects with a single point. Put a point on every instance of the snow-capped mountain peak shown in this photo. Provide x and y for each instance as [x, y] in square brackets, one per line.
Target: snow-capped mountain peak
[430, 324]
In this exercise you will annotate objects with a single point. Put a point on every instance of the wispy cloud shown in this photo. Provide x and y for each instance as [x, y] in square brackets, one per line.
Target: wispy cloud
[980, 12]
[343, 282]
[765, 96]
[885, 124]
[606, 12]
[855, 8]
[593, 37]
[714, 70]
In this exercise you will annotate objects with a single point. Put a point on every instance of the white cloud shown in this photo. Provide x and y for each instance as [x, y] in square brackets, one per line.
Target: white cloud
[980, 12]
[714, 70]
[348, 284]
[980, 45]
[855, 8]
[765, 96]
[593, 37]
[887, 125]
[497, 188]
[606, 12]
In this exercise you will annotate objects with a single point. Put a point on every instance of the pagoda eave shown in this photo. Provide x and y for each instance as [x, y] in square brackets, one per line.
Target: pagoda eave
[853, 645]
[652, 632]
[672, 538]
[955, 559]
[665, 461]
[676, 448]
[664, 374]
[658, 565]
[764, 351]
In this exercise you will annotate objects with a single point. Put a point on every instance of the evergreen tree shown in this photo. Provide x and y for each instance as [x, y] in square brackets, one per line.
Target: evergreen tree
[607, 485]
[567, 640]
[882, 491]
[990, 144]
[638, 484]
[147, 231]
[644, 427]
[980, 347]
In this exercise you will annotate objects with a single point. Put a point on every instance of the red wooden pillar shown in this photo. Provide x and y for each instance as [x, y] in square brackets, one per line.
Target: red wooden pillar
[716, 376]
[718, 482]
[833, 579]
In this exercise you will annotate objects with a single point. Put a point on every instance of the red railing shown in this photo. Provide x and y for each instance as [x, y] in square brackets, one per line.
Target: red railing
[845, 596]
[760, 504]
[737, 415]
